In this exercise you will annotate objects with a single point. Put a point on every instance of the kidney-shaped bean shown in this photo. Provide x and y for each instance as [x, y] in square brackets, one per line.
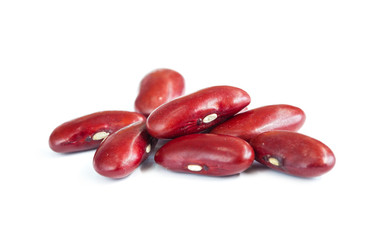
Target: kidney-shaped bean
[206, 154]
[196, 112]
[87, 132]
[248, 124]
[157, 88]
[293, 153]
[123, 151]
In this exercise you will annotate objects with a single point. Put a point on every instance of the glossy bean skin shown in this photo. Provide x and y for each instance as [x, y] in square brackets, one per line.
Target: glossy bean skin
[250, 123]
[293, 153]
[158, 87]
[196, 112]
[206, 154]
[88, 131]
[123, 151]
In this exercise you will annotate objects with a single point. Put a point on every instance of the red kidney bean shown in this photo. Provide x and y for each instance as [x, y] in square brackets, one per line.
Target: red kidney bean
[196, 112]
[123, 151]
[293, 153]
[206, 154]
[87, 132]
[248, 124]
[157, 88]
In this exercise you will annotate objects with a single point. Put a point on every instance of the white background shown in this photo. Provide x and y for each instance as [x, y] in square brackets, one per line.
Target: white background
[60, 60]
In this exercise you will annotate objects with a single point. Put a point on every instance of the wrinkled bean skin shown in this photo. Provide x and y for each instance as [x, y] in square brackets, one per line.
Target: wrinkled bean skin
[196, 112]
[248, 124]
[293, 153]
[206, 154]
[80, 134]
[157, 88]
[123, 151]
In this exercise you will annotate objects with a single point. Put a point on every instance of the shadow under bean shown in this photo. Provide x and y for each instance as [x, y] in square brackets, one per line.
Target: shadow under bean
[256, 167]
[150, 161]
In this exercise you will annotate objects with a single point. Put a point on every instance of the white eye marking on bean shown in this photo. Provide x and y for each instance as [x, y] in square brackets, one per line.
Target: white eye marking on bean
[209, 118]
[100, 135]
[148, 148]
[194, 167]
[274, 161]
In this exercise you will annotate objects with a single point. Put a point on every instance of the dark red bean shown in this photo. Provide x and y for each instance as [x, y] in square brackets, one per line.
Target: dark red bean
[157, 88]
[248, 124]
[293, 153]
[123, 151]
[196, 112]
[87, 132]
[206, 154]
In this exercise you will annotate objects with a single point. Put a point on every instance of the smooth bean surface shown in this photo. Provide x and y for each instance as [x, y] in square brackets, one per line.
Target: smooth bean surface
[123, 151]
[293, 153]
[249, 124]
[157, 88]
[87, 132]
[206, 154]
[196, 112]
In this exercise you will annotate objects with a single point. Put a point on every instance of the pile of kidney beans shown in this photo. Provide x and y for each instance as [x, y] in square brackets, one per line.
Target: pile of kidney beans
[210, 132]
